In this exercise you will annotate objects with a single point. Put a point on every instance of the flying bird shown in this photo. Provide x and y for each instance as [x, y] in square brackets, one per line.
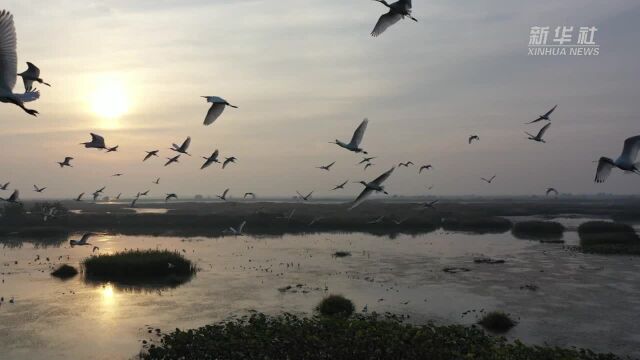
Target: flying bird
[354, 144]
[4, 187]
[397, 11]
[118, 197]
[182, 149]
[210, 160]
[538, 137]
[145, 193]
[223, 197]
[79, 198]
[305, 198]
[157, 182]
[217, 107]
[625, 162]
[66, 162]
[172, 160]
[82, 241]
[551, 190]
[170, 196]
[229, 160]
[117, 175]
[376, 221]
[37, 189]
[406, 164]
[100, 190]
[371, 187]
[473, 138]
[30, 75]
[366, 159]
[424, 167]
[150, 154]
[429, 205]
[97, 142]
[367, 165]
[545, 116]
[113, 149]
[488, 181]
[340, 186]
[9, 64]
[96, 195]
[14, 198]
[133, 202]
[236, 232]
[326, 167]
[252, 195]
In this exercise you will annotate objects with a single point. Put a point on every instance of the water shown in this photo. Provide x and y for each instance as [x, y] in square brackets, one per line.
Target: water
[583, 300]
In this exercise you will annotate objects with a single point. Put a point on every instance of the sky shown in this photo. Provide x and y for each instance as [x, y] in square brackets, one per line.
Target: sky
[304, 73]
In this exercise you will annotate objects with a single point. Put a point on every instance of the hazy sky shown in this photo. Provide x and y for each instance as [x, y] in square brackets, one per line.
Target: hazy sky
[307, 72]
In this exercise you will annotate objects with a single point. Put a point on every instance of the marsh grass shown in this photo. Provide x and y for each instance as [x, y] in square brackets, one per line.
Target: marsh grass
[64, 272]
[336, 305]
[139, 265]
[358, 337]
[603, 237]
[538, 230]
[497, 321]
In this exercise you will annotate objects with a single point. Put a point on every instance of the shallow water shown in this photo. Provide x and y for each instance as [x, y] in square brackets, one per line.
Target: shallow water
[583, 300]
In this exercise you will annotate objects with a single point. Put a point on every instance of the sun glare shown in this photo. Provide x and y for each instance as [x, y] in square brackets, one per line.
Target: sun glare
[109, 100]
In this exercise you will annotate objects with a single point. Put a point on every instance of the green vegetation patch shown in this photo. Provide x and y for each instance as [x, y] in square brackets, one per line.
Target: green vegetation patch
[336, 305]
[601, 237]
[358, 337]
[497, 321]
[65, 271]
[138, 265]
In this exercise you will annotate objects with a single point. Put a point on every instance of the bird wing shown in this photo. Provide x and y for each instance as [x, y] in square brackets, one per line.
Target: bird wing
[380, 179]
[359, 133]
[224, 194]
[630, 150]
[214, 112]
[604, 169]
[95, 138]
[384, 22]
[32, 70]
[330, 165]
[242, 226]
[8, 56]
[186, 143]
[85, 238]
[15, 195]
[361, 198]
[215, 155]
[543, 130]
[28, 84]
[29, 95]
[550, 111]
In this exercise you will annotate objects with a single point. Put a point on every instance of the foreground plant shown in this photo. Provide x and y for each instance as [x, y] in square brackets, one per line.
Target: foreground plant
[359, 337]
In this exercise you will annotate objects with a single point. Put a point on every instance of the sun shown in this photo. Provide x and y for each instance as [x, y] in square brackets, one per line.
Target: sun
[109, 100]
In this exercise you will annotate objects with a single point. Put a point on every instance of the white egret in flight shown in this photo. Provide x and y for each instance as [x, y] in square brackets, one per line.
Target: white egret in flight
[340, 186]
[182, 148]
[223, 197]
[9, 64]
[210, 160]
[217, 107]
[551, 190]
[538, 137]
[150, 154]
[37, 189]
[305, 198]
[473, 138]
[356, 139]
[425, 167]
[371, 187]
[326, 167]
[236, 232]
[66, 162]
[229, 160]
[4, 187]
[545, 116]
[30, 75]
[397, 11]
[82, 241]
[97, 142]
[489, 180]
[626, 160]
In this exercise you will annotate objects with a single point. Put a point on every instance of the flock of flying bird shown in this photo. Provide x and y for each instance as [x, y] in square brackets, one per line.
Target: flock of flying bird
[397, 11]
